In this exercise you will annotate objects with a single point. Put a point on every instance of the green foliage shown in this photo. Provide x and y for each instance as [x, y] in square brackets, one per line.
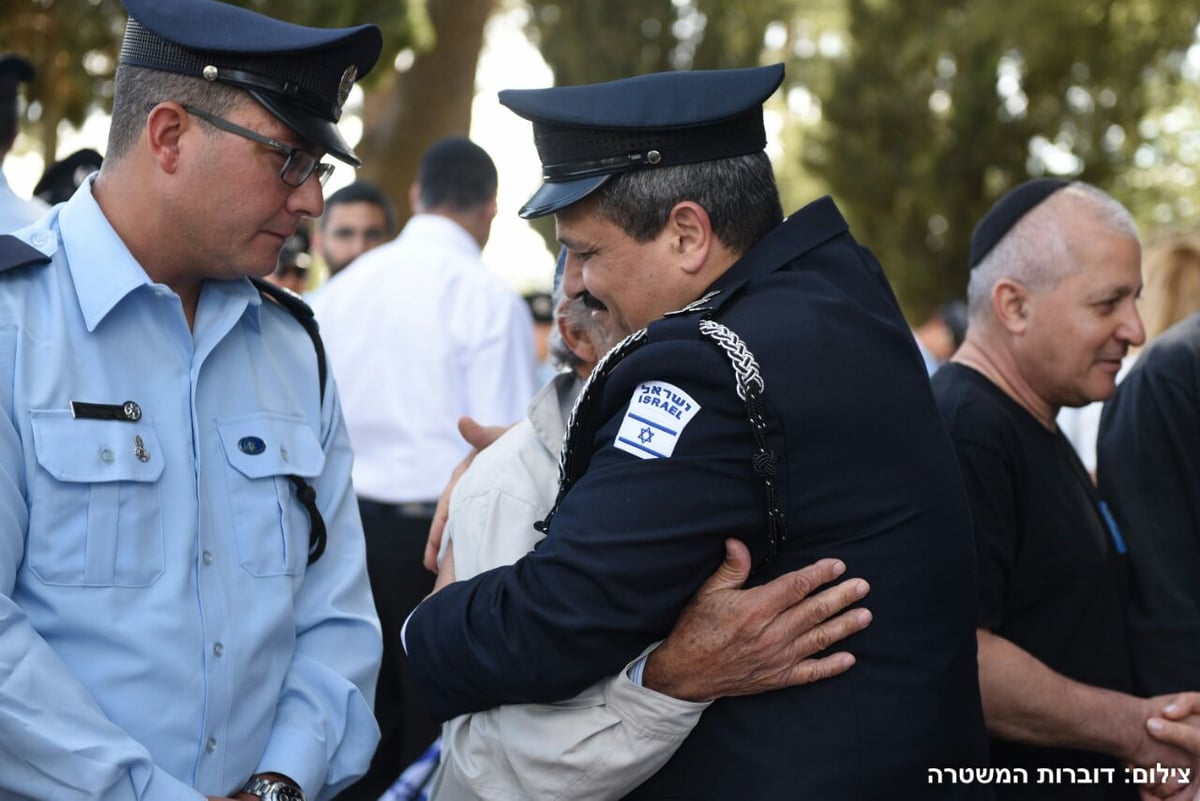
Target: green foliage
[74, 45]
[404, 23]
[940, 107]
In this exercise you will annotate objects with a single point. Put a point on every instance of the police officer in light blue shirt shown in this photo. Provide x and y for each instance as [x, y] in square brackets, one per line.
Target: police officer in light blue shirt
[184, 607]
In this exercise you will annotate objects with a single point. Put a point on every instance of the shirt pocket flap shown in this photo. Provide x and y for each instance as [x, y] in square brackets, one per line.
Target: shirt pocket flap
[261, 445]
[93, 451]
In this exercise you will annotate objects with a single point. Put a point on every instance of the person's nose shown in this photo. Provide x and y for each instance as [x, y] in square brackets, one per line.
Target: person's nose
[308, 199]
[1131, 330]
[573, 285]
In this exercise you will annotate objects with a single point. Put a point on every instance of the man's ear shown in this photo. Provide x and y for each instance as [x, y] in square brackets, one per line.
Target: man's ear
[690, 235]
[1010, 305]
[414, 198]
[579, 344]
[164, 131]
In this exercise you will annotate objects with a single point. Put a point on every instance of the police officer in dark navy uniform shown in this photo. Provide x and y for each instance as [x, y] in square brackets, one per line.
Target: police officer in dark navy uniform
[769, 390]
[184, 607]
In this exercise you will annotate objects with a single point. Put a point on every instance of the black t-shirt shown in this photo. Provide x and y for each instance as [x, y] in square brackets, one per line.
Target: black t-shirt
[1051, 578]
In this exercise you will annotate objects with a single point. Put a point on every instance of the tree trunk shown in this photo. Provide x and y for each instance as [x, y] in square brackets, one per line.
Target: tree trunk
[430, 100]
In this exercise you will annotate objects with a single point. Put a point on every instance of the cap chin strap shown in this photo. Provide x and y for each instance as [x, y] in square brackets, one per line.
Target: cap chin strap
[286, 89]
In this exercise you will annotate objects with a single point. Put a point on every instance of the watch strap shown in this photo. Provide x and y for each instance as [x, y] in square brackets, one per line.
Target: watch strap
[270, 789]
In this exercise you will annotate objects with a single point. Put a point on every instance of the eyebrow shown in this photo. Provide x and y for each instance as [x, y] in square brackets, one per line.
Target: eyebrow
[570, 243]
[1119, 291]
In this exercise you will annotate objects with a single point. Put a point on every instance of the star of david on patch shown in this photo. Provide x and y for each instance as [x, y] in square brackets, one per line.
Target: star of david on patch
[655, 419]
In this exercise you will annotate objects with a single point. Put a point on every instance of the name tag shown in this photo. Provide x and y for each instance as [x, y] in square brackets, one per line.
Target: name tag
[657, 415]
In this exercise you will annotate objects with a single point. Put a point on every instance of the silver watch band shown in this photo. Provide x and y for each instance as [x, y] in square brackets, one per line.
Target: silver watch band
[269, 789]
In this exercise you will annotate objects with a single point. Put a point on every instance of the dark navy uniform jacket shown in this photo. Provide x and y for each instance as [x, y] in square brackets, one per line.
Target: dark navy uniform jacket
[864, 471]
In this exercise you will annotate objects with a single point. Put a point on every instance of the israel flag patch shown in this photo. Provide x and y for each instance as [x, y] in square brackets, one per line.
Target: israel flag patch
[658, 412]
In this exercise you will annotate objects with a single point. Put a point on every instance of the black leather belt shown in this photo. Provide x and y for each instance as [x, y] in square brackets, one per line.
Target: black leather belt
[413, 509]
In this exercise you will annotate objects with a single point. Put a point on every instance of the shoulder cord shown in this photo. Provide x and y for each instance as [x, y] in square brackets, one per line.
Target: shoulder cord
[750, 387]
[305, 493]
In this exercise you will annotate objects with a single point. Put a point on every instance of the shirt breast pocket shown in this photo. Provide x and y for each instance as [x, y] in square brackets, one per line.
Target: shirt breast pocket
[95, 506]
[270, 523]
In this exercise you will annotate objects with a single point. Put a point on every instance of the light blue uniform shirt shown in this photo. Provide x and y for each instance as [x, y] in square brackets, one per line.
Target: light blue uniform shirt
[160, 634]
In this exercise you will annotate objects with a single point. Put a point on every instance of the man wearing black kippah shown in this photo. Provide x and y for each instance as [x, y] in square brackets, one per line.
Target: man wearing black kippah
[768, 389]
[1055, 273]
[184, 607]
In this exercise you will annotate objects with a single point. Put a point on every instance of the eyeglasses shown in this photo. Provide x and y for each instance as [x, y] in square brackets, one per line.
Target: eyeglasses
[298, 165]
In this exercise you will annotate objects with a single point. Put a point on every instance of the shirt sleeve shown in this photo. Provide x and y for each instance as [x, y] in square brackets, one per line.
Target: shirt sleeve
[1149, 472]
[324, 732]
[58, 742]
[601, 744]
[496, 356]
[629, 545]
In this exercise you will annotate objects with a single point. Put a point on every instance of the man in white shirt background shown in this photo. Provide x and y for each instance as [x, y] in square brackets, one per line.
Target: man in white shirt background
[419, 333]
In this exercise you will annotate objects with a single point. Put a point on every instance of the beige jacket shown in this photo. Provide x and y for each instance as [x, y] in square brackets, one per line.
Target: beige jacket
[598, 745]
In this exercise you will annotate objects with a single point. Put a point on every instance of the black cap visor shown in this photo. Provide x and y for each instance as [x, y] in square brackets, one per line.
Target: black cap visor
[552, 197]
[320, 132]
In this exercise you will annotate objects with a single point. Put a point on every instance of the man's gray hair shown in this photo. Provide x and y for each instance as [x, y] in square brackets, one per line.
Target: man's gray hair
[1037, 251]
[139, 87]
[739, 194]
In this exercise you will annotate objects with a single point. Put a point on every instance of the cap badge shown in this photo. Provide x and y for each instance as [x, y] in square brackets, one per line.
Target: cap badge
[347, 83]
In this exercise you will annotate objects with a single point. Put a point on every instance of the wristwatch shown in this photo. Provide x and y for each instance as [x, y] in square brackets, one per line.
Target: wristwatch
[272, 789]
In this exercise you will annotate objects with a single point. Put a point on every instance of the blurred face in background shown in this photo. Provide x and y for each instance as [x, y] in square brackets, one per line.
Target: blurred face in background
[347, 231]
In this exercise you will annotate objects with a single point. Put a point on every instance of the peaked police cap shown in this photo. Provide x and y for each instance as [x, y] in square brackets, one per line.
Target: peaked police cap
[301, 75]
[586, 134]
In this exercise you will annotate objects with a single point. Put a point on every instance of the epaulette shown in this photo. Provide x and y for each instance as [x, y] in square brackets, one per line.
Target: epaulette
[14, 253]
[303, 314]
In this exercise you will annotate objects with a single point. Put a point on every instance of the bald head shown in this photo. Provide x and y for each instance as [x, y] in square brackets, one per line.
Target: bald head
[1043, 246]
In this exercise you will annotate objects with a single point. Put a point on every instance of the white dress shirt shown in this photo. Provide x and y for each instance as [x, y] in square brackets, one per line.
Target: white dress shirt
[419, 333]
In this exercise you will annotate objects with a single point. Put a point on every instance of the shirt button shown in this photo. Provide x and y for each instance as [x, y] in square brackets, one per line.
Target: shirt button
[218, 649]
[106, 455]
[210, 745]
[206, 557]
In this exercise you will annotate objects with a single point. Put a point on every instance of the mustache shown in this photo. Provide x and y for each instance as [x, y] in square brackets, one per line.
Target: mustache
[591, 301]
